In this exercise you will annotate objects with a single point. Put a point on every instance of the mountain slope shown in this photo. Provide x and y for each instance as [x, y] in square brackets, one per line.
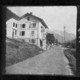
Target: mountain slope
[60, 35]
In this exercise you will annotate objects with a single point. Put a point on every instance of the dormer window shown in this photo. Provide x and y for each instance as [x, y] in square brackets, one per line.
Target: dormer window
[28, 18]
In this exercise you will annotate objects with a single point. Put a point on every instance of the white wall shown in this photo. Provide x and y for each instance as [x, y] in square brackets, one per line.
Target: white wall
[27, 31]
[9, 25]
[9, 30]
[27, 34]
[40, 35]
[23, 20]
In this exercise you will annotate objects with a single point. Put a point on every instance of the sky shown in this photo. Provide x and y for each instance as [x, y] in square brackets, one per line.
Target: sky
[56, 17]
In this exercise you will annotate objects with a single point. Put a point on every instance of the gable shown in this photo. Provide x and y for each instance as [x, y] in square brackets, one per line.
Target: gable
[31, 18]
[10, 20]
[34, 19]
[23, 20]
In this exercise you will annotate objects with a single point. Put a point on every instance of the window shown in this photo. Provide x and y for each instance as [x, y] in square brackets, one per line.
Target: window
[33, 41]
[16, 25]
[32, 33]
[30, 25]
[22, 33]
[34, 25]
[23, 25]
[41, 26]
[42, 29]
[28, 18]
[13, 24]
[29, 40]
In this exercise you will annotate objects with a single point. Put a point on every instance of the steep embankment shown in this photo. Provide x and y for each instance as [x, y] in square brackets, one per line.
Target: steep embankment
[17, 51]
[71, 56]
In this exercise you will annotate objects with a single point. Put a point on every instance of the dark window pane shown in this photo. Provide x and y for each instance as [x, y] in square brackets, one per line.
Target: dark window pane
[23, 33]
[13, 24]
[16, 25]
[23, 25]
[28, 18]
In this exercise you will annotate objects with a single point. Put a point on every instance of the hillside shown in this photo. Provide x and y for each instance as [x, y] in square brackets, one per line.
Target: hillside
[17, 51]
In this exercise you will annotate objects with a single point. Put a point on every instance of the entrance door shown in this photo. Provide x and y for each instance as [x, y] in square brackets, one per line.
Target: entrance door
[40, 43]
[14, 33]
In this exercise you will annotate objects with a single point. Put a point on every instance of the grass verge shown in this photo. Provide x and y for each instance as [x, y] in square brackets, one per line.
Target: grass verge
[17, 51]
[71, 56]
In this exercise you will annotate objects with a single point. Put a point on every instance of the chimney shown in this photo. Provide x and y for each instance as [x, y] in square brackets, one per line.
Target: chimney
[31, 13]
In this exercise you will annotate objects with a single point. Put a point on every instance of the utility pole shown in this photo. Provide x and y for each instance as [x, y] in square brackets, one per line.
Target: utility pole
[64, 34]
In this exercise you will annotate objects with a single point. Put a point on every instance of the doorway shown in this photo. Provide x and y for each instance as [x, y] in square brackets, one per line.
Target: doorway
[40, 43]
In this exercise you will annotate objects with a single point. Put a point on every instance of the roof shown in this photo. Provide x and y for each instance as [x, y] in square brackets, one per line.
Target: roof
[41, 20]
[10, 15]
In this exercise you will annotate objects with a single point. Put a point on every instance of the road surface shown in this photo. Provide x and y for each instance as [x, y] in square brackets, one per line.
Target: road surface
[52, 61]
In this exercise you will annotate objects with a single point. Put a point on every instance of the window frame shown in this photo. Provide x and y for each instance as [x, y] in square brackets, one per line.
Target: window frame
[23, 26]
[32, 33]
[16, 25]
[34, 25]
[13, 24]
[28, 18]
[21, 33]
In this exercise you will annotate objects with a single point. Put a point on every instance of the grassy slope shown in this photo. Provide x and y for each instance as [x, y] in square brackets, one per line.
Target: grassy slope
[71, 56]
[17, 51]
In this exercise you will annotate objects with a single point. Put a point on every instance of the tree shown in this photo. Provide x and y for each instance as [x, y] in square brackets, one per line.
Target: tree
[56, 41]
[50, 38]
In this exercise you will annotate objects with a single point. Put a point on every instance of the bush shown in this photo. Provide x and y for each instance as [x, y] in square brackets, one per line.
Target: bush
[50, 38]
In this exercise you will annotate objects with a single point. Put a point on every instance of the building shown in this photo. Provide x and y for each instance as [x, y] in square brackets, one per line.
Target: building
[29, 28]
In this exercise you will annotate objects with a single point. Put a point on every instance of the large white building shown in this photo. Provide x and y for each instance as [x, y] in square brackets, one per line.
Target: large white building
[28, 28]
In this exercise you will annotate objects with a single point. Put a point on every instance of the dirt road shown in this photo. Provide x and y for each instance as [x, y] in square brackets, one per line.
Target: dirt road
[52, 62]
